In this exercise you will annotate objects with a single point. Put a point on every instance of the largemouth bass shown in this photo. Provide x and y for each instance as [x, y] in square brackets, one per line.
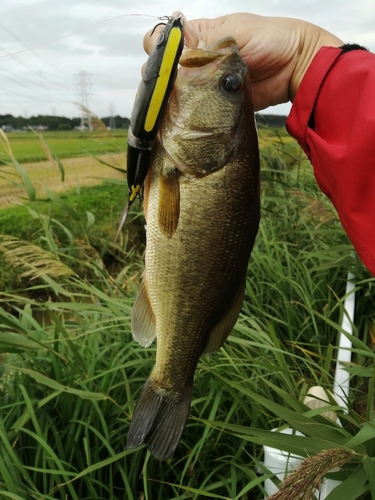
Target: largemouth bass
[202, 215]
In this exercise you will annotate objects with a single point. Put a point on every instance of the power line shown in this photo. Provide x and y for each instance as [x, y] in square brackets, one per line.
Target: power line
[36, 70]
[32, 98]
[77, 31]
[17, 78]
[32, 49]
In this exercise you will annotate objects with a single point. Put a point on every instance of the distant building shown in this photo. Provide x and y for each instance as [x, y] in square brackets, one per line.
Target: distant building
[7, 128]
[38, 128]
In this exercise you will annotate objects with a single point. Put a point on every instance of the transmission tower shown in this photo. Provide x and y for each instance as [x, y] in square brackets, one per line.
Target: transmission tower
[112, 122]
[83, 84]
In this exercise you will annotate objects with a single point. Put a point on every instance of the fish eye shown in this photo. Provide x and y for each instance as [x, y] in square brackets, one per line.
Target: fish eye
[231, 83]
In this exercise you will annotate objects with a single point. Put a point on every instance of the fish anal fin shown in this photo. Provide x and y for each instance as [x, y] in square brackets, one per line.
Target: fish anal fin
[220, 332]
[169, 203]
[159, 419]
[143, 322]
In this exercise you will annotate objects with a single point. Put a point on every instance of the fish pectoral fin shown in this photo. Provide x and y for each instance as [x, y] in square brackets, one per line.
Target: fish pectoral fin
[220, 332]
[143, 322]
[169, 203]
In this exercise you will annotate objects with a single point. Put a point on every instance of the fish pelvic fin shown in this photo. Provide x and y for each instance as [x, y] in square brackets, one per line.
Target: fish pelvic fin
[159, 419]
[169, 203]
[220, 332]
[143, 322]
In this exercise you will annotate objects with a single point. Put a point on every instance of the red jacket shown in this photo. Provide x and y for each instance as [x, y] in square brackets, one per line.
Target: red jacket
[333, 119]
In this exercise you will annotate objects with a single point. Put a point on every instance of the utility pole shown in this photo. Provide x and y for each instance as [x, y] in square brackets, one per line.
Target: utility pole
[83, 84]
[112, 122]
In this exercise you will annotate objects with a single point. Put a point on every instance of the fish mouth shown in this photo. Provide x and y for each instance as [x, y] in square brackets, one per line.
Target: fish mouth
[202, 62]
[205, 54]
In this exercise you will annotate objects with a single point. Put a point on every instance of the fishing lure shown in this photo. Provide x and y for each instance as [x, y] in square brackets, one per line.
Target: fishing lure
[152, 97]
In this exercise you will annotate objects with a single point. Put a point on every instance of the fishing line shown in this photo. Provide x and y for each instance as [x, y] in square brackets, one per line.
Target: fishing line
[77, 31]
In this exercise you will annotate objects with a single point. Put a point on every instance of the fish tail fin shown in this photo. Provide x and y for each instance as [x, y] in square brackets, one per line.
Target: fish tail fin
[159, 419]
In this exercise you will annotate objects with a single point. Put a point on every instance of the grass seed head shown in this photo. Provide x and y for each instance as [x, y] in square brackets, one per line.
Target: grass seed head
[302, 484]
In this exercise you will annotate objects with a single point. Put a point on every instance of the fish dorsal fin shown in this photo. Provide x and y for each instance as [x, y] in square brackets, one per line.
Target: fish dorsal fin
[143, 322]
[220, 332]
[169, 203]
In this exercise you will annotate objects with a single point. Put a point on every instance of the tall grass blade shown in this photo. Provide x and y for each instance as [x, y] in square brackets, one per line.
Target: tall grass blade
[352, 487]
[53, 384]
[21, 171]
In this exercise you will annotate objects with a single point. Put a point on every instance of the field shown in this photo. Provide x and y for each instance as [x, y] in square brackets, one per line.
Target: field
[81, 154]
[71, 373]
[27, 147]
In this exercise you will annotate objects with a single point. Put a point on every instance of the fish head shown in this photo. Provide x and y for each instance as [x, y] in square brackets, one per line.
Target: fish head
[210, 109]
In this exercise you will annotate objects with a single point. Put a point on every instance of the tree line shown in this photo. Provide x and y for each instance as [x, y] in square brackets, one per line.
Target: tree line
[270, 120]
[64, 123]
[54, 122]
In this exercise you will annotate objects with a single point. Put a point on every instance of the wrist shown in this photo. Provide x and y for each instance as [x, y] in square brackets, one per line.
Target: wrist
[311, 40]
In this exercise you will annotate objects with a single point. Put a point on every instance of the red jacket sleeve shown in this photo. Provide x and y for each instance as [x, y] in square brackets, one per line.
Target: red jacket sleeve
[333, 119]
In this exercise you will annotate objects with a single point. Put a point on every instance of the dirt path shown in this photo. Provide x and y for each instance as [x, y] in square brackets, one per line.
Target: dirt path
[86, 171]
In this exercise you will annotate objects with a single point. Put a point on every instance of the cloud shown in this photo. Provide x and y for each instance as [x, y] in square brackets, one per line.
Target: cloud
[112, 51]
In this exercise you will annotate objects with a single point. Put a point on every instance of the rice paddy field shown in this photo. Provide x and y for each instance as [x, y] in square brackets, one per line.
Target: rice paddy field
[71, 372]
[59, 161]
[28, 147]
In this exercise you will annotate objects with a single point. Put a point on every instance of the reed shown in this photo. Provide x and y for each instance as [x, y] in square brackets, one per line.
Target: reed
[71, 373]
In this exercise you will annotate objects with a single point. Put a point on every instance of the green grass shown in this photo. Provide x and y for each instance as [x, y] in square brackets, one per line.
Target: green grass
[81, 222]
[71, 373]
[27, 146]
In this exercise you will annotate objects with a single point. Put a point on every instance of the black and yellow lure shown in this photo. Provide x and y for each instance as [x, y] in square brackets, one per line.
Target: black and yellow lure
[152, 97]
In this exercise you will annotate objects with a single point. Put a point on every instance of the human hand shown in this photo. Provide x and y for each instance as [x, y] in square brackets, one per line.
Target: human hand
[277, 50]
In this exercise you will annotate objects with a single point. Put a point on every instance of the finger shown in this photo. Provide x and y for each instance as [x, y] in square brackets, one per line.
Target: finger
[150, 38]
[191, 37]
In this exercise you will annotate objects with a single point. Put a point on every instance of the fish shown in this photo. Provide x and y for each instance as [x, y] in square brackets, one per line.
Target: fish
[202, 210]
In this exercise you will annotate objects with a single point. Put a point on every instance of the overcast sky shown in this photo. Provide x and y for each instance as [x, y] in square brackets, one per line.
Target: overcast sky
[46, 80]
